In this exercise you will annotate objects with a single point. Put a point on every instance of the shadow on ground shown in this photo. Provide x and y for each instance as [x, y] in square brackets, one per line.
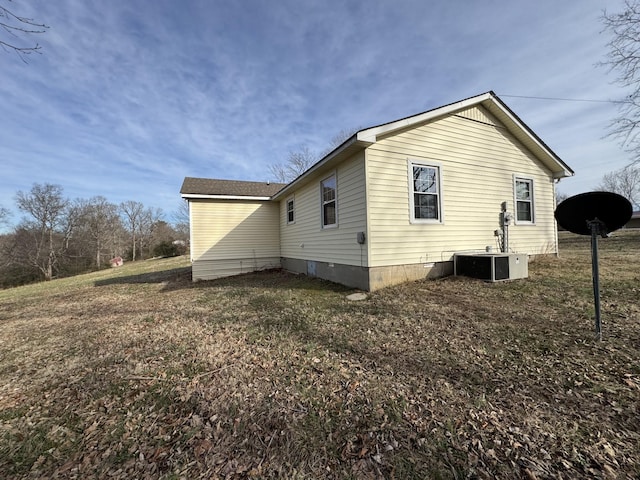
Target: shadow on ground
[180, 278]
[174, 277]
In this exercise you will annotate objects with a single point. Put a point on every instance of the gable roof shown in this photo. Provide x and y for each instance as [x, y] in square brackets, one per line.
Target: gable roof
[229, 189]
[489, 100]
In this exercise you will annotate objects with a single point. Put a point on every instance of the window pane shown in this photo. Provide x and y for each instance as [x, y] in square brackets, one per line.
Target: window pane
[329, 213]
[328, 189]
[523, 190]
[524, 211]
[425, 179]
[328, 194]
[290, 215]
[426, 206]
[329, 182]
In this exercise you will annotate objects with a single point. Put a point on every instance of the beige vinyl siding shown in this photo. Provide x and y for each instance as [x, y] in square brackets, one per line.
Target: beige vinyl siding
[478, 159]
[307, 240]
[233, 236]
[478, 114]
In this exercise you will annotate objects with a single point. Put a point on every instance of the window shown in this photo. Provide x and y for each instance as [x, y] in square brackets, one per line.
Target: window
[329, 202]
[524, 200]
[425, 200]
[291, 216]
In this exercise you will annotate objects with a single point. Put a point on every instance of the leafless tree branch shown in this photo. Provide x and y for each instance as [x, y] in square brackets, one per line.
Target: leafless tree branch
[625, 182]
[299, 161]
[4, 216]
[14, 26]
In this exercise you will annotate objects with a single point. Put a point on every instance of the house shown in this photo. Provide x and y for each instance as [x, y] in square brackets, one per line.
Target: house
[393, 203]
[234, 226]
[634, 222]
[116, 262]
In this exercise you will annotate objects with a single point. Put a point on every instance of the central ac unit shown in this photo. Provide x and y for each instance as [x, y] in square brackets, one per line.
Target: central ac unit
[491, 267]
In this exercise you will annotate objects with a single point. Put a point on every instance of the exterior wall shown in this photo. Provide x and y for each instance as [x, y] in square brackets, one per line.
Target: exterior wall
[305, 239]
[634, 222]
[229, 237]
[380, 277]
[349, 275]
[478, 159]
[369, 279]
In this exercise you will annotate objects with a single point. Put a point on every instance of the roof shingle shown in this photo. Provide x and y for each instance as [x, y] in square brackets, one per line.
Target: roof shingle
[236, 188]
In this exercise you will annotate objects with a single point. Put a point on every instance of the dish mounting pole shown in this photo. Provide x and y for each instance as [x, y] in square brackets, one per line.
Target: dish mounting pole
[597, 228]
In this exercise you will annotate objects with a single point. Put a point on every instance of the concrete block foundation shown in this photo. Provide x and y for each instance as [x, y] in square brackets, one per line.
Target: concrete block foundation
[367, 278]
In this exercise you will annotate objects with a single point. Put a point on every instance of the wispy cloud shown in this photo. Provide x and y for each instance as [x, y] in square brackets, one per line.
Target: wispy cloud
[130, 97]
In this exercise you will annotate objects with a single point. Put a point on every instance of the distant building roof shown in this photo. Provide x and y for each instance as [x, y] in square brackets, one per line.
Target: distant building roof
[205, 187]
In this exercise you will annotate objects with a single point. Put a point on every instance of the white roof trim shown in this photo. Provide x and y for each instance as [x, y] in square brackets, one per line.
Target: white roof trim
[565, 169]
[222, 197]
[372, 134]
[490, 100]
[319, 164]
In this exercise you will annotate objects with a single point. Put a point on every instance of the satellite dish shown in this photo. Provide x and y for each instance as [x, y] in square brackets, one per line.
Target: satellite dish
[594, 213]
[612, 211]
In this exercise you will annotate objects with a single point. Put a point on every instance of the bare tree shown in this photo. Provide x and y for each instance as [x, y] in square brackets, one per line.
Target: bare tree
[625, 182]
[132, 215]
[624, 59]
[561, 197]
[4, 216]
[100, 219]
[297, 163]
[15, 26]
[50, 225]
[149, 220]
[16, 266]
[181, 220]
[339, 138]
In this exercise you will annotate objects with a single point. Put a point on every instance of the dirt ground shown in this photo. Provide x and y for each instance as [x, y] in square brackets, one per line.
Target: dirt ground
[139, 373]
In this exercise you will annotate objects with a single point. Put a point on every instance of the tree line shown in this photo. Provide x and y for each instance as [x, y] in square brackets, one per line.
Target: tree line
[59, 237]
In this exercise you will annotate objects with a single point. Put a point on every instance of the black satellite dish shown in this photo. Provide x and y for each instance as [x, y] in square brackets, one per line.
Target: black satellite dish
[595, 214]
[613, 211]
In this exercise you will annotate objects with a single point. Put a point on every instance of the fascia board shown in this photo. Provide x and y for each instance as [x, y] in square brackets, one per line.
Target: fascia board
[222, 197]
[351, 141]
[371, 134]
[489, 100]
[560, 170]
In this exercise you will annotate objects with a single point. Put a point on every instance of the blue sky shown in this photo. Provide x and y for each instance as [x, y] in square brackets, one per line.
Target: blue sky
[129, 97]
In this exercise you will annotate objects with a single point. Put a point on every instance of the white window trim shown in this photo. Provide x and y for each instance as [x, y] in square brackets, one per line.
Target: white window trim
[286, 209]
[524, 178]
[411, 162]
[333, 225]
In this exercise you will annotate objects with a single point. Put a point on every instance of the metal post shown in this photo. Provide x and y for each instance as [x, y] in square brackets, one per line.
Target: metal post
[505, 247]
[595, 231]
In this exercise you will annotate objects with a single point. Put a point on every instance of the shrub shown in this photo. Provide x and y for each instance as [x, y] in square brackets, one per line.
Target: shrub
[168, 249]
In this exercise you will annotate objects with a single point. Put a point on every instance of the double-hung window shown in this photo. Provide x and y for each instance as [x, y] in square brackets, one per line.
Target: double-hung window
[291, 214]
[425, 195]
[524, 199]
[329, 202]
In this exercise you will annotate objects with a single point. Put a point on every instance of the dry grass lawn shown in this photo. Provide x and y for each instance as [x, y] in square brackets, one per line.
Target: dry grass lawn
[138, 373]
